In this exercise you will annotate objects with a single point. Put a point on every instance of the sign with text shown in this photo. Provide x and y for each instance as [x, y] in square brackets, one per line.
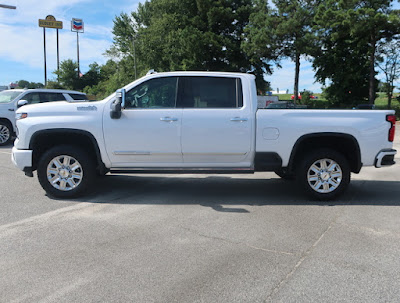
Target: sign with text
[77, 25]
[50, 22]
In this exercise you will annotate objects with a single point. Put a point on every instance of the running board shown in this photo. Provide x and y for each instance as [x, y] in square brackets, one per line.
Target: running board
[178, 170]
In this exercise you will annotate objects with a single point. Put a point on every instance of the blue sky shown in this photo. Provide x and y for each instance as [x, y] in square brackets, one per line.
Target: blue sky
[21, 40]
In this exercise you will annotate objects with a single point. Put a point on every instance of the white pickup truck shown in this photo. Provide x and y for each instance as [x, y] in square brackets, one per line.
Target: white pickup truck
[197, 122]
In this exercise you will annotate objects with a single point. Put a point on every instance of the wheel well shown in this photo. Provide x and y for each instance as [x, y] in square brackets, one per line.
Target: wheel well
[342, 143]
[44, 140]
[8, 122]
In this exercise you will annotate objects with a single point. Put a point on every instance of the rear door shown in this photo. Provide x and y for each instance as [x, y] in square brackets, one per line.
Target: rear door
[216, 125]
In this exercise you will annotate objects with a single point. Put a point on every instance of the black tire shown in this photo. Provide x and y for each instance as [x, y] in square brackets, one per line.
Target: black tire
[324, 185]
[285, 174]
[84, 168]
[6, 133]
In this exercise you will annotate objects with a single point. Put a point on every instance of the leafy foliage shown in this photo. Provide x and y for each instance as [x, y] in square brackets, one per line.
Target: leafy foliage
[389, 62]
[346, 36]
[27, 84]
[168, 35]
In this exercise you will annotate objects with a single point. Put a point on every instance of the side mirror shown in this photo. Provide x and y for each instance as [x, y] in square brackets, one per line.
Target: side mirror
[118, 104]
[21, 103]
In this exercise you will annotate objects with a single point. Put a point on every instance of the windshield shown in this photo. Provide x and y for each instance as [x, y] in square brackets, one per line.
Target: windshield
[8, 96]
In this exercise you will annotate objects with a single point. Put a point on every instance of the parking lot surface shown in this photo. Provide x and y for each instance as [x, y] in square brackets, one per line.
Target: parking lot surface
[200, 238]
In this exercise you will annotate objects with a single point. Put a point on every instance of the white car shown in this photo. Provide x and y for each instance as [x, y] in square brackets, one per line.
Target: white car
[197, 122]
[11, 99]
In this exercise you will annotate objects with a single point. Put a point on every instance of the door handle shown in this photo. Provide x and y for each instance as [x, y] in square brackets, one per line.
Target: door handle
[11, 109]
[168, 119]
[238, 119]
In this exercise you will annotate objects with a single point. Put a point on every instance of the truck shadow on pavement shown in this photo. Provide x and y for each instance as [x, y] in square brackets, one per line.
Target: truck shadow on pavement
[226, 193]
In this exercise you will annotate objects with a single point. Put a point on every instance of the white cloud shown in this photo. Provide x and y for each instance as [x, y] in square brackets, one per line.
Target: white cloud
[29, 11]
[21, 39]
[25, 44]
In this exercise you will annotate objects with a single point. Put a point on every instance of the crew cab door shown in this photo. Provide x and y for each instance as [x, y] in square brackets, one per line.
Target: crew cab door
[217, 128]
[148, 132]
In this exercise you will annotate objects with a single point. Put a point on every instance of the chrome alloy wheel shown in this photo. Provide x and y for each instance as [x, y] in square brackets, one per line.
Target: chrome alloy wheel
[64, 173]
[324, 176]
[4, 134]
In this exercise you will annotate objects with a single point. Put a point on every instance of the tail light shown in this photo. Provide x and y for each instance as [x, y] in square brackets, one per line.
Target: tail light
[392, 120]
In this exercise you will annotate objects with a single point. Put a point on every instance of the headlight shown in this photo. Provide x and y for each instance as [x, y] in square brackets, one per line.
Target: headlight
[20, 116]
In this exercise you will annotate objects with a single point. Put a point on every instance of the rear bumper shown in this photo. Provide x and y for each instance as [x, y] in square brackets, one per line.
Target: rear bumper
[22, 158]
[385, 158]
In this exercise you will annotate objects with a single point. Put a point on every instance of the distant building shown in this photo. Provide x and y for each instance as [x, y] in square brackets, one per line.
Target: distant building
[12, 85]
[3, 87]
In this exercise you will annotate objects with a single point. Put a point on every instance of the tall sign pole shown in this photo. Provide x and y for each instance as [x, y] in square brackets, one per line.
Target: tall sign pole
[58, 57]
[44, 47]
[77, 26]
[50, 22]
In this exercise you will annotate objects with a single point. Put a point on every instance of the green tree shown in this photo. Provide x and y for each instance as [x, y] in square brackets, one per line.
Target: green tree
[388, 61]
[282, 32]
[68, 75]
[347, 34]
[23, 84]
[168, 35]
[27, 84]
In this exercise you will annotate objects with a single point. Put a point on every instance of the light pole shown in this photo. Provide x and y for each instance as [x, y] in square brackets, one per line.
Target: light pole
[8, 6]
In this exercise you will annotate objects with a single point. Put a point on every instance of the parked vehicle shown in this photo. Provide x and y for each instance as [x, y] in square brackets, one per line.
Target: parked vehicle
[197, 122]
[311, 97]
[285, 105]
[11, 99]
[365, 106]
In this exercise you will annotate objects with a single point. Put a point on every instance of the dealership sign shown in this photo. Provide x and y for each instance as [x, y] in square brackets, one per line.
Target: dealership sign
[50, 22]
[77, 25]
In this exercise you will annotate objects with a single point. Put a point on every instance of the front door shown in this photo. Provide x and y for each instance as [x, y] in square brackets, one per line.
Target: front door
[148, 132]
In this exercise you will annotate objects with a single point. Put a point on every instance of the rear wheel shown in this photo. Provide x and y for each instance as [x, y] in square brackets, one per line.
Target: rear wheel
[5, 133]
[66, 171]
[324, 174]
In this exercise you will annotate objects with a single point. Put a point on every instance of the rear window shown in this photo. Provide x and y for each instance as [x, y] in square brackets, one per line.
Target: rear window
[210, 92]
[79, 96]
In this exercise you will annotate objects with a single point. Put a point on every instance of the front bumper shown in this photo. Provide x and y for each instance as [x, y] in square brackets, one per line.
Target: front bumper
[385, 158]
[22, 158]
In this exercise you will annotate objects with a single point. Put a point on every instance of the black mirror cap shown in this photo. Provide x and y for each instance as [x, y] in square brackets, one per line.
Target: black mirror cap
[116, 110]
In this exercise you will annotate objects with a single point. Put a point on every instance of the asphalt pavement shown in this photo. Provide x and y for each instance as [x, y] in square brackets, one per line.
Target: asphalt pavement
[200, 238]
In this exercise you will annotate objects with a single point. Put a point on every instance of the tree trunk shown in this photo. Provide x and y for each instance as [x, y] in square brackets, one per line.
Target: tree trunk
[371, 93]
[390, 94]
[296, 78]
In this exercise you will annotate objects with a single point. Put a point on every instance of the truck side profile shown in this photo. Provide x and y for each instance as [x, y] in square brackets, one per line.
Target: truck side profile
[197, 122]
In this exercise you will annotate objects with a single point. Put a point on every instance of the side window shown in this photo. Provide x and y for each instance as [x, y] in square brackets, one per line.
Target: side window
[79, 96]
[154, 93]
[210, 92]
[47, 97]
[32, 98]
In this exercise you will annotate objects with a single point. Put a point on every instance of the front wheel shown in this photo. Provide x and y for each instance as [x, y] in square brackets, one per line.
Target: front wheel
[324, 174]
[5, 133]
[66, 171]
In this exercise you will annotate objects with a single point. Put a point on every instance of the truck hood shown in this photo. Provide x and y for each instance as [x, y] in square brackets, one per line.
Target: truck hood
[63, 108]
